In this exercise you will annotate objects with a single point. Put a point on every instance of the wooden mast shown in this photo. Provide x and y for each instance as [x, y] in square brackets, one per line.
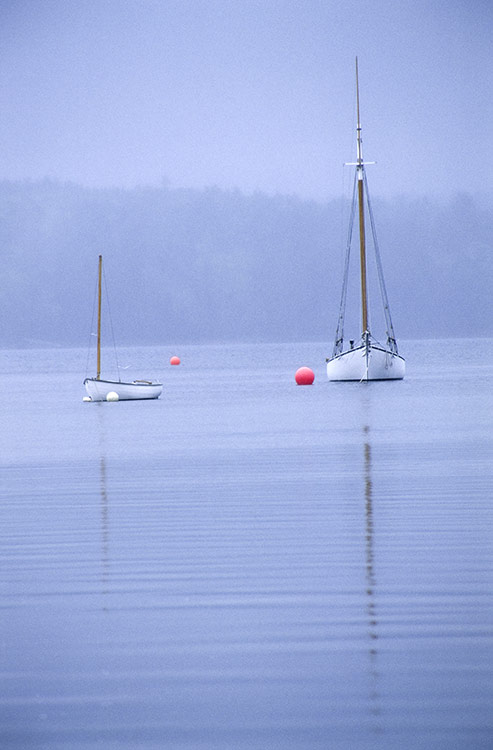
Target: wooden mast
[362, 246]
[100, 273]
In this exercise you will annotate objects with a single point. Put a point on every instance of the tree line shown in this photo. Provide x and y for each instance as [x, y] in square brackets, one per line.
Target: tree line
[187, 265]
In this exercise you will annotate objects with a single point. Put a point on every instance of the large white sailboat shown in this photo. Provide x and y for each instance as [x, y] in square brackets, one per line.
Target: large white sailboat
[364, 358]
[116, 390]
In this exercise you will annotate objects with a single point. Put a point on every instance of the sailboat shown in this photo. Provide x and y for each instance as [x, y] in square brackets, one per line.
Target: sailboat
[116, 390]
[364, 359]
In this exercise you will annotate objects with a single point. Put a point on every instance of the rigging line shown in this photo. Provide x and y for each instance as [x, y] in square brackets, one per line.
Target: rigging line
[342, 308]
[347, 200]
[342, 222]
[111, 325]
[342, 313]
[383, 291]
[92, 325]
[347, 184]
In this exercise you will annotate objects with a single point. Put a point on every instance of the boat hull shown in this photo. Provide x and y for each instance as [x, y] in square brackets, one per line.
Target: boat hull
[366, 363]
[97, 390]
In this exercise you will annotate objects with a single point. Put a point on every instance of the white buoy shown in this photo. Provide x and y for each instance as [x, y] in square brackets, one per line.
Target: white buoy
[112, 396]
[87, 398]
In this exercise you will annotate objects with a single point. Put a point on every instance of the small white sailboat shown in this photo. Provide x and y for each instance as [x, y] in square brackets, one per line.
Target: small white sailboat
[364, 359]
[116, 390]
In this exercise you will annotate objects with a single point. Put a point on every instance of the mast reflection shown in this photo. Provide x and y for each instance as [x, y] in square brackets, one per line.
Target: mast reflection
[105, 563]
[104, 505]
[371, 609]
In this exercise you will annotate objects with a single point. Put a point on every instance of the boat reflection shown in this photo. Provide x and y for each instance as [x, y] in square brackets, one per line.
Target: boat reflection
[104, 505]
[371, 583]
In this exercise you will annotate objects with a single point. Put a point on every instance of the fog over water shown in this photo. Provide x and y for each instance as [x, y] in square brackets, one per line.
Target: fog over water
[244, 563]
[213, 265]
[199, 145]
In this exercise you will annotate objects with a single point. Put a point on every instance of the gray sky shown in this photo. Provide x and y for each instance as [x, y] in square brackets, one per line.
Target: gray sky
[248, 94]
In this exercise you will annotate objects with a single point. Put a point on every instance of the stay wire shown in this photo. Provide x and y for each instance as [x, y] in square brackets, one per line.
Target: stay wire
[111, 325]
[342, 307]
[383, 290]
[91, 334]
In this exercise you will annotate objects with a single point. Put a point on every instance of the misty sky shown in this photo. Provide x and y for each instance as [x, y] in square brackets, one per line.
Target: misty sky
[248, 94]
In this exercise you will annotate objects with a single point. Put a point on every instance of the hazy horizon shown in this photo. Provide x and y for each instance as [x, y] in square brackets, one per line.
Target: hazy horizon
[190, 265]
[207, 138]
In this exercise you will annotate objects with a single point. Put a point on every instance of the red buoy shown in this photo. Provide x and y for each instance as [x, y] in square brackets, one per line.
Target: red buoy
[174, 361]
[304, 376]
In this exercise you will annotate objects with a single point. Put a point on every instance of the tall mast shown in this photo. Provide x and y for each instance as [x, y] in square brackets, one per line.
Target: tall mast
[360, 169]
[100, 273]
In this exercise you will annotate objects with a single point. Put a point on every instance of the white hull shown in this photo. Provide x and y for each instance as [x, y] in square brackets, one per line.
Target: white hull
[97, 390]
[366, 363]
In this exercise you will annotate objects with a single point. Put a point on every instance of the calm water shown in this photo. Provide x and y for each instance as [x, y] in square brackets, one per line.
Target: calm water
[247, 563]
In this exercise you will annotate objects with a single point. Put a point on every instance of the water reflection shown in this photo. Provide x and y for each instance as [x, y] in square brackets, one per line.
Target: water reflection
[105, 533]
[371, 583]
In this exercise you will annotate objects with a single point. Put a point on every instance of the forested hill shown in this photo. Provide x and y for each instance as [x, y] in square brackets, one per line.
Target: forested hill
[212, 265]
